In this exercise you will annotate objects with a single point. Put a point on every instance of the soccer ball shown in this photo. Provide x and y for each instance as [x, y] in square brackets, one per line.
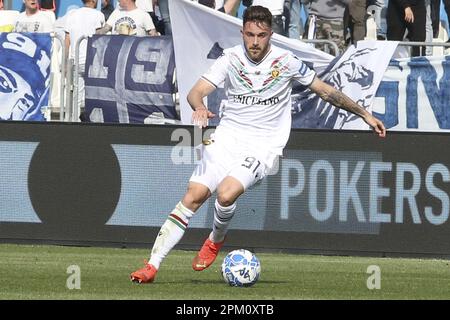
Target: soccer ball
[241, 268]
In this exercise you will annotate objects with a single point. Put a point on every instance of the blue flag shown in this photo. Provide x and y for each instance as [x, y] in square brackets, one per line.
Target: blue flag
[24, 75]
[129, 79]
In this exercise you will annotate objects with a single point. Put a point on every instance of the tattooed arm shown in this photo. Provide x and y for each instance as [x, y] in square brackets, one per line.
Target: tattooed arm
[340, 100]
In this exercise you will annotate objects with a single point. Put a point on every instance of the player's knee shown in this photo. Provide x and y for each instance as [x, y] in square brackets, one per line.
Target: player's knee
[193, 199]
[228, 192]
[225, 199]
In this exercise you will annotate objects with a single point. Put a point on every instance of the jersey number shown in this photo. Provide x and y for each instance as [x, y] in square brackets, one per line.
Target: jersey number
[250, 162]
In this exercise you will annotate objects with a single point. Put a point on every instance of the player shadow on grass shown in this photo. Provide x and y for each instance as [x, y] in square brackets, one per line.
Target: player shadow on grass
[204, 281]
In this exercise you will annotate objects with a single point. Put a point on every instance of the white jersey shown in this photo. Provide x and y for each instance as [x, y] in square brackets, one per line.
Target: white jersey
[38, 22]
[145, 5]
[259, 94]
[8, 19]
[82, 22]
[219, 4]
[136, 22]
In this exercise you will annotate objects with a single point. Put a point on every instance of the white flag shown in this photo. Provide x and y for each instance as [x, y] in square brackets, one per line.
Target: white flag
[200, 34]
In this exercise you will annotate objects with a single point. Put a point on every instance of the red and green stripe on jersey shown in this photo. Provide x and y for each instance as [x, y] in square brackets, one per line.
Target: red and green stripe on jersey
[238, 70]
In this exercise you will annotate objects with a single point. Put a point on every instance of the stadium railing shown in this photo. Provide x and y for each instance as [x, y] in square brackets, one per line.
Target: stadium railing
[424, 44]
[61, 70]
[75, 108]
[327, 43]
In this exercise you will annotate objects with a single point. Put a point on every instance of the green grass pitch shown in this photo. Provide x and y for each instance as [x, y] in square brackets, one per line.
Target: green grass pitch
[41, 272]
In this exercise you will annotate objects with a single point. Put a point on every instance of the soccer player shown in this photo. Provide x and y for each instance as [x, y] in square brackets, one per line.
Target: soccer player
[254, 129]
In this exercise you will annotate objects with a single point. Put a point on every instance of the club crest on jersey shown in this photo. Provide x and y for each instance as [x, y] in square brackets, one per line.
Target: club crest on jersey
[275, 72]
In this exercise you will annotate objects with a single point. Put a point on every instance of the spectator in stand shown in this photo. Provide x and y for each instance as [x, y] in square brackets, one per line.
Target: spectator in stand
[229, 6]
[128, 19]
[107, 8]
[296, 26]
[146, 5]
[279, 14]
[163, 6]
[48, 7]
[326, 21]
[429, 34]
[377, 9]
[435, 6]
[436, 14]
[356, 20]
[408, 15]
[82, 22]
[32, 19]
[7, 18]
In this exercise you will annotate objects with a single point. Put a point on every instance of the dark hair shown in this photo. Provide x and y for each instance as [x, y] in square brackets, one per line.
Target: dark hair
[258, 14]
[48, 4]
[208, 3]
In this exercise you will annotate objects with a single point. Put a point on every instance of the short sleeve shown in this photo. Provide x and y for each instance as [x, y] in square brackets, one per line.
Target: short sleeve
[148, 23]
[112, 19]
[301, 72]
[100, 21]
[217, 73]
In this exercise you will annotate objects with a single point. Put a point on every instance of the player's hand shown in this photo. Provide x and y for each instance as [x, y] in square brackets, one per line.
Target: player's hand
[200, 117]
[376, 125]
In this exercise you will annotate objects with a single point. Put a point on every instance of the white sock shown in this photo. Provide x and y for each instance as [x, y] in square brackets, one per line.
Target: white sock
[170, 233]
[222, 218]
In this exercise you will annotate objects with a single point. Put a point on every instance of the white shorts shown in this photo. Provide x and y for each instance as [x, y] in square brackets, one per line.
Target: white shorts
[229, 156]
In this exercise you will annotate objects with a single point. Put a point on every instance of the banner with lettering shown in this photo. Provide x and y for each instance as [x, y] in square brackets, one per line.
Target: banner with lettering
[129, 79]
[24, 75]
[415, 94]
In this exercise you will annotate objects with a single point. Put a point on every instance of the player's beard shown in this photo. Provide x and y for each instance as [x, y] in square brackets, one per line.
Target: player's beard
[257, 53]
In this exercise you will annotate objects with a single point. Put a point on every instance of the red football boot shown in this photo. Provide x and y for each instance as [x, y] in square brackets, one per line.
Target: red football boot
[207, 254]
[146, 274]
